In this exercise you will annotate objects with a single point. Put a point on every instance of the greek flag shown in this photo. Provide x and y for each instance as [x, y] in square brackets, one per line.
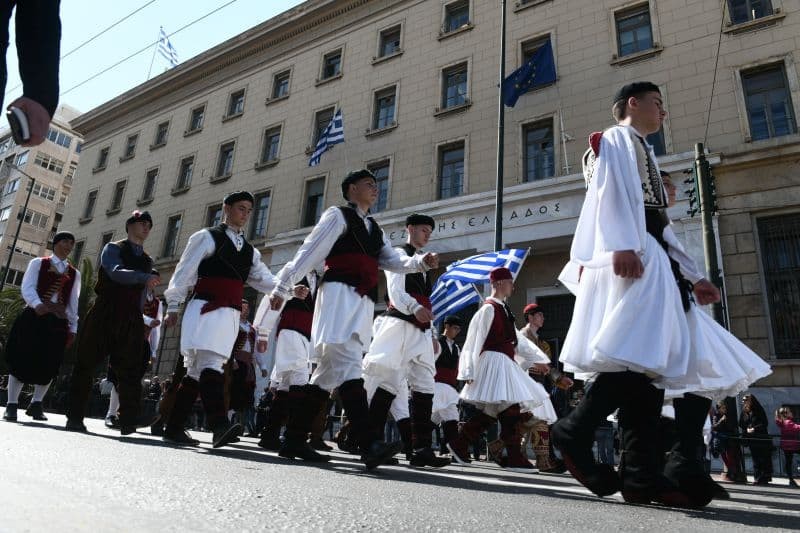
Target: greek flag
[166, 49]
[476, 269]
[454, 290]
[451, 296]
[332, 134]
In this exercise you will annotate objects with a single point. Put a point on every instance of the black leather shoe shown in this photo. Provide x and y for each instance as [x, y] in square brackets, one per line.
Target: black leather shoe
[11, 413]
[76, 425]
[180, 438]
[319, 445]
[157, 429]
[36, 411]
[225, 433]
[379, 452]
[426, 457]
[112, 422]
[270, 444]
[301, 450]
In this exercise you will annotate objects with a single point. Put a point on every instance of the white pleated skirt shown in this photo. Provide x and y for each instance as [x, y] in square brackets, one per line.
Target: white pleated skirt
[720, 364]
[624, 324]
[500, 383]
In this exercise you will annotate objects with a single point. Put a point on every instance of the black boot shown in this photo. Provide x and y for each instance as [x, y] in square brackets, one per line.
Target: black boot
[354, 400]
[276, 418]
[573, 435]
[405, 429]
[303, 405]
[185, 395]
[212, 392]
[11, 413]
[640, 464]
[36, 411]
[684, 467]
[422, 429]
[379, 412]
[450, 431]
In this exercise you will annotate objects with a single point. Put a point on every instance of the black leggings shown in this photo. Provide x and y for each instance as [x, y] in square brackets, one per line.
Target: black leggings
[788, 458]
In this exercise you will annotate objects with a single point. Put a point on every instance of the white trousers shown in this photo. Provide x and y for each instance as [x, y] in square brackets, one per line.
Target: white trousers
[196, 361]
[401, 357]
[399, 408]
[338, 363]
[292, 366]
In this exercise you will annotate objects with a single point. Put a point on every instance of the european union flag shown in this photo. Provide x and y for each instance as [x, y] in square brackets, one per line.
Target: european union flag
[539, 70]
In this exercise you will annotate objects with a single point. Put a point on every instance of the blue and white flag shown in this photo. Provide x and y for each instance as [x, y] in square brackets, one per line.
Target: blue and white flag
[451, 296]
[454, 290]
[166, 49]
[332, 134]
[476, 269]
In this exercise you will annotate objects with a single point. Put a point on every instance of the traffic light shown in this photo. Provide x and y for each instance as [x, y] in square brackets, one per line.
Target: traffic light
[691, 191]
[711, 189]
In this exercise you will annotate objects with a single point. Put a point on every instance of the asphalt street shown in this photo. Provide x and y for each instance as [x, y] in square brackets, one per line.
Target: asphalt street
[54, 480]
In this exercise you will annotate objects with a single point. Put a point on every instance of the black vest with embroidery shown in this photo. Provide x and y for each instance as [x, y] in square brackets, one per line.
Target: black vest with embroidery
[417, 285]
[226, 262]
[655, 213]
[353, 257]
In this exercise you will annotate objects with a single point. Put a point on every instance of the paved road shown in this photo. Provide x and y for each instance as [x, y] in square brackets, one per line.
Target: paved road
[54, 480]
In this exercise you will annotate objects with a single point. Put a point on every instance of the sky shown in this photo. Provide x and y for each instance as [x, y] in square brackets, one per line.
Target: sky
[83, 19]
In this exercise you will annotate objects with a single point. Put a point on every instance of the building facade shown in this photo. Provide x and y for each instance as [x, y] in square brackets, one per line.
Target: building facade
[416, 82]
[52, 165]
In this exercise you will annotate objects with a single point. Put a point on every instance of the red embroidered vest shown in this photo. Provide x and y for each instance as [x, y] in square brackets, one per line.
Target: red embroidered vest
[151, 310]
[50, 282]
[502, 335]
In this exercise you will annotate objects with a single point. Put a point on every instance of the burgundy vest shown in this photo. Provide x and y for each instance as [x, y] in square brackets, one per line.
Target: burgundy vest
[353, 259]
[151, 310]
[418, 286]
[241, 339]
[297, 314]
[125, 299]
[50, 282]
[502, 335]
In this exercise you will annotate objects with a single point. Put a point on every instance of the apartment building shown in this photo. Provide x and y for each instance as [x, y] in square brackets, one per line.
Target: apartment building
[52, 165]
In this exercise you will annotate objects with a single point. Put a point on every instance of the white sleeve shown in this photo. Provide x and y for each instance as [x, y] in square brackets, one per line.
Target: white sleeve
[313, 251]
[688, 267]
[72, 305]
[397, 261]
[616, 223]
[29, 281]
[400, 299]
[527, 353]
[266, 319]
[476, 337]
[200, 246]
[155, 333]
[261, 278]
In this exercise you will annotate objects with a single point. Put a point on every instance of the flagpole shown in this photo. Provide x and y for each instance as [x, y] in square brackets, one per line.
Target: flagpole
[152, 59]
[563, 136]
[501, 120]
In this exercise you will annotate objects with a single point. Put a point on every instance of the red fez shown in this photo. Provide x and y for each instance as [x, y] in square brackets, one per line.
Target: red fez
[499, 274]
[531, 309]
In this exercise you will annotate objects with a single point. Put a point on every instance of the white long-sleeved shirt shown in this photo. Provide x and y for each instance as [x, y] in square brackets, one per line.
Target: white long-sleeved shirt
[201, 246]
[155, 332]
[396, 287]
[526, 354]
[266, 319]
[320, 241]
[31, 279]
